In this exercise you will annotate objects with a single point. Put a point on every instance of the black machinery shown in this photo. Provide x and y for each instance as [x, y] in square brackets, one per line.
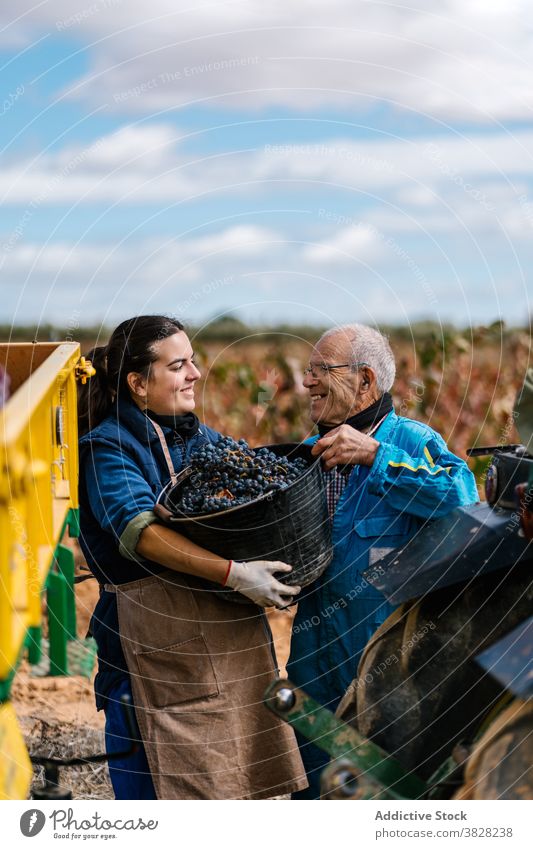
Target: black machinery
[442, 704]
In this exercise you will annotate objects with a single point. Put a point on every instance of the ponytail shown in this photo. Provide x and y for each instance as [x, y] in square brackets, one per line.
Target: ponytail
[131, 348]
[95, 396]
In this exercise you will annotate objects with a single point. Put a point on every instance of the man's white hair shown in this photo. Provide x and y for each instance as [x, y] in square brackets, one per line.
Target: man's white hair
[368, 346]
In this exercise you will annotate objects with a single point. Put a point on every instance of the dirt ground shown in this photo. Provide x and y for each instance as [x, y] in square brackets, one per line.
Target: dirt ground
[58, 716]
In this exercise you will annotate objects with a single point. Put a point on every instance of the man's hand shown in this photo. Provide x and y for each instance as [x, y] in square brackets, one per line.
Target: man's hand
[346, 446]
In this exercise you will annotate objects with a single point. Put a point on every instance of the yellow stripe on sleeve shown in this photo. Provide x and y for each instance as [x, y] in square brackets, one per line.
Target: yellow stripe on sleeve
[434, 471]
[429, 458]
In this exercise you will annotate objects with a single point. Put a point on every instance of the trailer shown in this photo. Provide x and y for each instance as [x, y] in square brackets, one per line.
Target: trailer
[38, 508]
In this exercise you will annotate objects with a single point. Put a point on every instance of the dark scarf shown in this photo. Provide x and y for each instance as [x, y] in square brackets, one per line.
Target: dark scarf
[185, 426]
[366, 418]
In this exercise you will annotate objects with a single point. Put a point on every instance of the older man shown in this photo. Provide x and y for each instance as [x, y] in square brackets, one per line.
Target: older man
[385, 476]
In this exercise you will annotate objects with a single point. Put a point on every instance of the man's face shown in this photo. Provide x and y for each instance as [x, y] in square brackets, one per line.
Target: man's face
[334, 394]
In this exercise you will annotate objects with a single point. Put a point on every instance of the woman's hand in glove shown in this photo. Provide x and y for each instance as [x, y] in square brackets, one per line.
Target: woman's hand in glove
[255, 580]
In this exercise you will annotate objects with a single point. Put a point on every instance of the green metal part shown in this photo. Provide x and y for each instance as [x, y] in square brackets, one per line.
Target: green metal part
[67, 655]
[5, 687]
[33, 644]
[64, 653]
[66, 565]
[341, 780]
[62, 603]
[57, 599]
[81, 655]
[73, 522]
[375, 769]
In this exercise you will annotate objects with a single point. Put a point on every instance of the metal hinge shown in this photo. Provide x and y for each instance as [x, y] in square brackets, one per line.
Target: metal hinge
[84, 370]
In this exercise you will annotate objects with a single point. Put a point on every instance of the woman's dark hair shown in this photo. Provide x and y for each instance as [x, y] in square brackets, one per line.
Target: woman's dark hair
[130, 348]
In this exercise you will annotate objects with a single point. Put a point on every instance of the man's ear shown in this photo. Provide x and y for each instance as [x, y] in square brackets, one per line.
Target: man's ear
[137, 384]
[368, 380]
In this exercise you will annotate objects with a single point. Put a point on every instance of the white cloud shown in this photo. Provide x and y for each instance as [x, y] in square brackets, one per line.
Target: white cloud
[463, 59]
[151, 163]
[349, 244]
[356, 272]
[133, 164]
[97, 279]
[242, 241]
[53, 258]
[148, 146]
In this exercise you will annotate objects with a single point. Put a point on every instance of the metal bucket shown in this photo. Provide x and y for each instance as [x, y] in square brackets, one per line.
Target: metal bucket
[291, 525]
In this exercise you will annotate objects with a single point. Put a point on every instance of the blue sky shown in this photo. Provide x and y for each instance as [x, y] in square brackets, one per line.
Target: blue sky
[300, 161]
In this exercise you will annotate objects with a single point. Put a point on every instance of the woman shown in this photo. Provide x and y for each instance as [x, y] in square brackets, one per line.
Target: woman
[197, 665]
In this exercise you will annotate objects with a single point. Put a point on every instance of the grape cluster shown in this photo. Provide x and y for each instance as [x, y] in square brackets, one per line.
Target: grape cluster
[230, 473]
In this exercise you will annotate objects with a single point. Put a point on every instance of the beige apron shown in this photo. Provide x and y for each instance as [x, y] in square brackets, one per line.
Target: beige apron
[199, 667]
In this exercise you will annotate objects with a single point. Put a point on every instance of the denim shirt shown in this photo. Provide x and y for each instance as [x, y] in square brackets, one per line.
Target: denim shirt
[122, 472]
[414, 478]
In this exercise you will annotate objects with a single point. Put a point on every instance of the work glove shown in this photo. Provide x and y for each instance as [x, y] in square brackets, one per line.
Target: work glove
[255, 580]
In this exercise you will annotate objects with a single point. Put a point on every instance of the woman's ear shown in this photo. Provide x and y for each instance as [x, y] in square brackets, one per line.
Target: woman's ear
[137, 384]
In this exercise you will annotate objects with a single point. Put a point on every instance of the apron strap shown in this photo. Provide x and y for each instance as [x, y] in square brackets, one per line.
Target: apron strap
[166, 452]
[111, 588]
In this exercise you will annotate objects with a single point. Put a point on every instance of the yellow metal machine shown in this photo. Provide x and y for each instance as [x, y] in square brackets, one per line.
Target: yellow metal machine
[38, 503]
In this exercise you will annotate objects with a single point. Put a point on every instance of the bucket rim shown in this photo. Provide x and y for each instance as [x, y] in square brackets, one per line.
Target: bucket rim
[267, 496]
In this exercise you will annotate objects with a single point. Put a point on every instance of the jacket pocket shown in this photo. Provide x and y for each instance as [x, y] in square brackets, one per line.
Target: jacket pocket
[394, 524]
[177, 674]
[382, 534]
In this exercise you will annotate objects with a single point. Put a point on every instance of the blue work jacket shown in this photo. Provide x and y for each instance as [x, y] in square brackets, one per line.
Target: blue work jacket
[414, 478]
[122, 472]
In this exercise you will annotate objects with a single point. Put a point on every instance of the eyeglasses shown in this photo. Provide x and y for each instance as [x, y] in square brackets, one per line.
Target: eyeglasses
[324, 368]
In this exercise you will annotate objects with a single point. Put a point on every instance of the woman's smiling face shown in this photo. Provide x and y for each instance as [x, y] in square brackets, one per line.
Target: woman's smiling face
[169, 388]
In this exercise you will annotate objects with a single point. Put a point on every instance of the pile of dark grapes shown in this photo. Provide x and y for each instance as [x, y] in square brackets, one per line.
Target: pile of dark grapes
[230, 473]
